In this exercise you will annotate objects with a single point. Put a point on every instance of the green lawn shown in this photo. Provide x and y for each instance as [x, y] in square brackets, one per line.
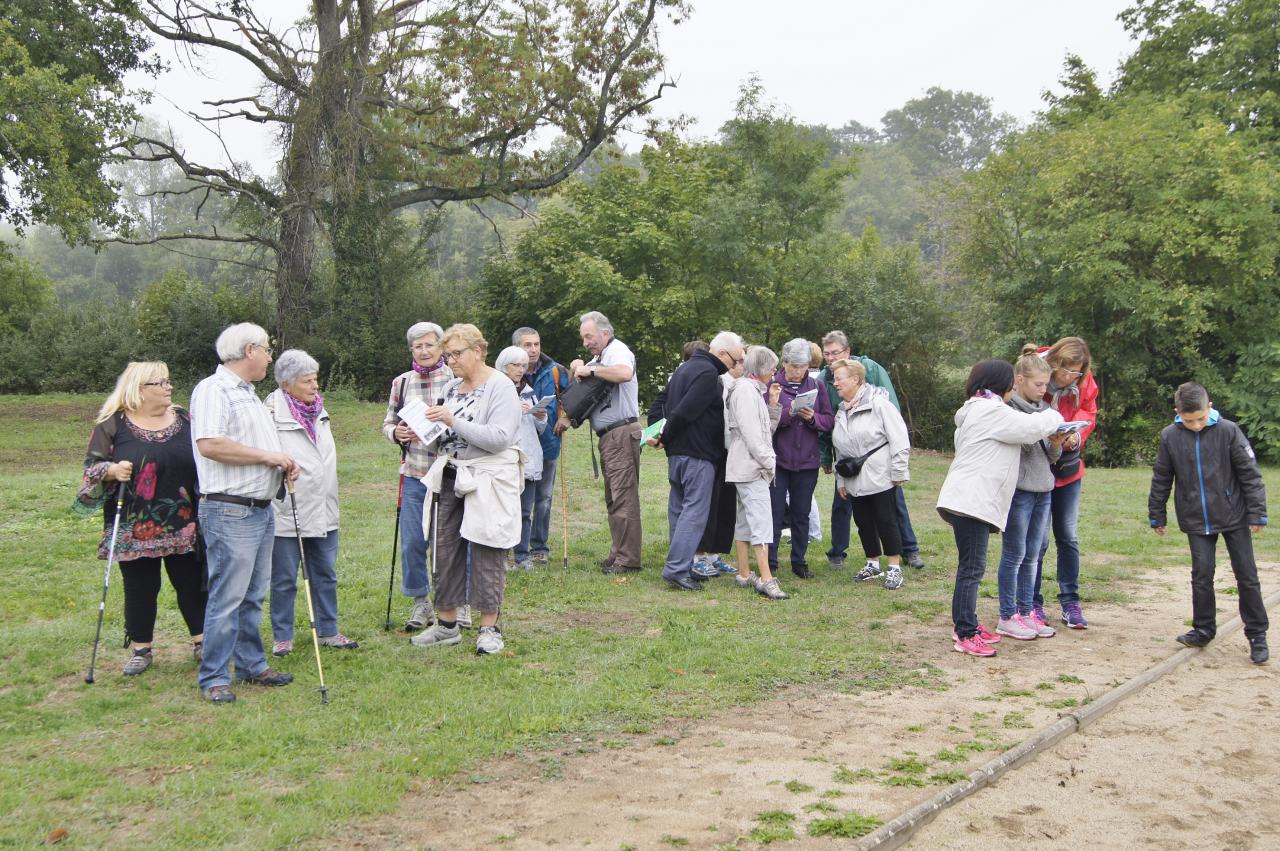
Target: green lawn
[144, 761]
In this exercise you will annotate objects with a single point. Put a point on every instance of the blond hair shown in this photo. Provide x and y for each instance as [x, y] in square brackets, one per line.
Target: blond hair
[1068, 350]
[128, 393]
[853, 367]
[467, 334]
[1029, 363]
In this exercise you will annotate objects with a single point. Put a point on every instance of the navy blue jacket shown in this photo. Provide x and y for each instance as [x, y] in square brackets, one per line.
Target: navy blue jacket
[694, 409]
[1219, 485]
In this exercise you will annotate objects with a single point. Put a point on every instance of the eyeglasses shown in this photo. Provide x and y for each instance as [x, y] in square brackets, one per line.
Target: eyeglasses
[266, 349]
[424, 347]
[1071, 372]
[164, 382]
[834, 353]
[453, 356]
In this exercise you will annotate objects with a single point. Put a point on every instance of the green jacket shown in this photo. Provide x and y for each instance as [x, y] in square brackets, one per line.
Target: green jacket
[876, 377]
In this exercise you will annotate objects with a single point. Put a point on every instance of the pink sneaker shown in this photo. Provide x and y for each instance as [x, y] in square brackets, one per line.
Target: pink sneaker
[974, 646]
[1015, 628]
[1033, 620]
[987, 635]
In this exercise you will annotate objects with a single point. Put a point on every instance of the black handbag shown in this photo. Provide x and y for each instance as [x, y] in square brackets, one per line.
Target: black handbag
[850, 467]
[1067, 465]
[584, 397]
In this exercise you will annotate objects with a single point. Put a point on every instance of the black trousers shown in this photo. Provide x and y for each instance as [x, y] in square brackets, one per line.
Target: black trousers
[142, 588]
[1203, 562]
[877, 517]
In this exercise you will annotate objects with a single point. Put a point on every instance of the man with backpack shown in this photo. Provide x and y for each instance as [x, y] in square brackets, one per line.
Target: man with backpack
[548, 379]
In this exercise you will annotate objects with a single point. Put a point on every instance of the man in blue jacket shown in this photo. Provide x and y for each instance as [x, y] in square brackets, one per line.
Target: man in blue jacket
[694, 440]
[548, 379]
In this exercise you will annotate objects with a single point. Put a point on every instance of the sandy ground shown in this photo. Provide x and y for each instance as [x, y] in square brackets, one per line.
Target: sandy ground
[1191, 761]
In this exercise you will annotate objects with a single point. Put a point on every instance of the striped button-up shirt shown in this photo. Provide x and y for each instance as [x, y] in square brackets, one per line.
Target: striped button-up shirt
[224, 405]
[428, 388]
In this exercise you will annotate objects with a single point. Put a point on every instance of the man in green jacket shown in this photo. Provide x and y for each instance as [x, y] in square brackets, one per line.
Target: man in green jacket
[835, 346]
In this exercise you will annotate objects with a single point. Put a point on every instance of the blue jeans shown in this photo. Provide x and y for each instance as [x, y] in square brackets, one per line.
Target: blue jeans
[842, 512]
[528, 499]
[799, 484]
[414, 581]
[691, 482]
[238, 542]
[1024, 531]
[545, 489]
[322, 558]
[972, 537]
[1066, 517]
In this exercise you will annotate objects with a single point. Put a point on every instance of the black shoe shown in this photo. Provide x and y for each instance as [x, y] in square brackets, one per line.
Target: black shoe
[605, 563]
[268, 677]
[802, 571]
[1195, 638]
[613, 569]
[1258, 653]
[914, 560]
[218, 694]
[683, 584]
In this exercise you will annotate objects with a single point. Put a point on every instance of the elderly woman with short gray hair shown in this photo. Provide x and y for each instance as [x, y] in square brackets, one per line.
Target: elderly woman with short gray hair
[425, 380]
[302, 423]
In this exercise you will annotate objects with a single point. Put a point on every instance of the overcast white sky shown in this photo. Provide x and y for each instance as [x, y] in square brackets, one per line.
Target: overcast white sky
[826, 61]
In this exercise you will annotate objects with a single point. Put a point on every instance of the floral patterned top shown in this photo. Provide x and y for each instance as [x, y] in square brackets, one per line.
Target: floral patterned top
[159, 502]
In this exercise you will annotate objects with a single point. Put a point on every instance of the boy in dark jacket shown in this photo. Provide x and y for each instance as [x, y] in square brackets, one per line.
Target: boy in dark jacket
[1219, 492]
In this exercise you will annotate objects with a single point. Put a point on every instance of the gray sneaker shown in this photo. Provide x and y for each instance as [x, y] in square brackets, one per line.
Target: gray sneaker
[836, 562]
[870, 571]
[422, 616]
[893, 579]
[748, 581]
[489, 641]
[138, 662]
[772, 590]
[464, 617]
[437, 635]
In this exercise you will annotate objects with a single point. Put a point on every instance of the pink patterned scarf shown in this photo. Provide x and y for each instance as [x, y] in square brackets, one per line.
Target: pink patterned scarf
[306, 414]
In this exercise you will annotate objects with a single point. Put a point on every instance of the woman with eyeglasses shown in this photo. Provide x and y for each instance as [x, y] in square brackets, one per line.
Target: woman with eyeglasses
[1074, 394]
[142, 442]
[425, 380]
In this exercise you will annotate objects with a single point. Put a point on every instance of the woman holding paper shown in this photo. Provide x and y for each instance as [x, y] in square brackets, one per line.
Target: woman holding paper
[806, 412]
[425, 383]
[512, 362]
[475, 483]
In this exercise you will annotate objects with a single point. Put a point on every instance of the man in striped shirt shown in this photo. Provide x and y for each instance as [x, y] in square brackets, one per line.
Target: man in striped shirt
[239, 464]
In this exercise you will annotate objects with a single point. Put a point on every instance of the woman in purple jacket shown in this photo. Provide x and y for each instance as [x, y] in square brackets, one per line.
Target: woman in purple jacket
[796, 446]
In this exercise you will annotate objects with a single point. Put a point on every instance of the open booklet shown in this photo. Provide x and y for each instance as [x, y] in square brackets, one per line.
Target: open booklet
[1073, 426]
[414, 414]
[541, 404]
[804, 401]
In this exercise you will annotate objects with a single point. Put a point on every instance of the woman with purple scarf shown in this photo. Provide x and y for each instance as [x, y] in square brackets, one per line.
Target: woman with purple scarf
[305, 434]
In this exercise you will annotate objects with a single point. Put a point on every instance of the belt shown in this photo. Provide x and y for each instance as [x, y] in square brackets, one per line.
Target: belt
[601, 432]
[236, 500]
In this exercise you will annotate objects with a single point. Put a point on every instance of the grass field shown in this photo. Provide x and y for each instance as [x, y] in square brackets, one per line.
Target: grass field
[144, 762]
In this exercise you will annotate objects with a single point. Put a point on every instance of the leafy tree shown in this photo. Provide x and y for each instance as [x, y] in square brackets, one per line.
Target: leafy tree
[24, 292]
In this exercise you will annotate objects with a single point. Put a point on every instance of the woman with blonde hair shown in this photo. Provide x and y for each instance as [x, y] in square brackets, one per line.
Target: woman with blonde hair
[142, 442]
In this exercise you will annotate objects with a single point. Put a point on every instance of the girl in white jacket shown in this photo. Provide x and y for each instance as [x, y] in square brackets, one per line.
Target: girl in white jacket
[979, 487]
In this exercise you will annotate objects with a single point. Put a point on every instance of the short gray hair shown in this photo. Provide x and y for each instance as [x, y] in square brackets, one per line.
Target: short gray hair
[510, 355]
[836, 337]
[422, 329]
[725, 341]
[292, 365]
[797, 351]
[234, 339]
[520, 333]
[760, 361]
[602, 323]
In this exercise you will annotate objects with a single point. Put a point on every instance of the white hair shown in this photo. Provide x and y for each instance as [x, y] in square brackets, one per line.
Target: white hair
[602, 323]
[292, 365]
[797, 351]
[422, 329]
[510, 355]
[234, 339]
[760, 360]
[725, 341]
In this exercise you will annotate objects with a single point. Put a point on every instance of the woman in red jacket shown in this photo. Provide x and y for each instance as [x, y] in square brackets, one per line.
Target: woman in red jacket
[1074, 394]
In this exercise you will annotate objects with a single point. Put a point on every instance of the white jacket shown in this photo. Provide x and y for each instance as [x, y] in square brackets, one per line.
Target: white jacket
[984, 473]
[490, 489]
[869, 421]
[750, 424]
[316, 488]
[530, 428]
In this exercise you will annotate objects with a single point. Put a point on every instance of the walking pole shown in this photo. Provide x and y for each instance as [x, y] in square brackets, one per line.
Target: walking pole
[395, 546]
[564, 500]
[106, 579]
[306, 584]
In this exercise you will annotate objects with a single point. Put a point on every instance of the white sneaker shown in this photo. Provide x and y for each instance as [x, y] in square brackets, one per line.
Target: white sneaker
[422, 615]
[437, 635]
[772, 590]
[1043, 630]
[869, 571]
[893, 578]
[489, 641]
[464, 617]
[748, 581]
[1015, 628]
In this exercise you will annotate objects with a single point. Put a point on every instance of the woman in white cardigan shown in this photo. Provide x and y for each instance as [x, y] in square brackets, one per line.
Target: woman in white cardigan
[297, 409]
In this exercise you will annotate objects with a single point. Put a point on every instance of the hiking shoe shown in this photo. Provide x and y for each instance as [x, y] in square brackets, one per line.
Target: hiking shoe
[267, 677]
[521, 564]
[615, 569]
[539, 557]
[282, 648]
[437, 635]
[869, 571]
[704, 568]
[1073, 617]
[987, 635]
[893, 578]
[723, 566]
[138, 662]
[218, 694]
[604, 564]
[835, 562]
[464, 617]
[1043, 630]
[1258, 653]
[748, 581]
[1015, 628]
[489, 641]
[802, 571]
[772, 590]
[914, 560]
[339, 641]
[422, 616]
[974, 646]
[1194, 638]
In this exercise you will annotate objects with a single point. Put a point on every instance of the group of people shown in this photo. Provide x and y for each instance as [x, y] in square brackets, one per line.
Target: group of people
[746, 434]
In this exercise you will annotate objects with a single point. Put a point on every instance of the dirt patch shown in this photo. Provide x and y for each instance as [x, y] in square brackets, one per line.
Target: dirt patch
[69, 411]
[879, 752]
